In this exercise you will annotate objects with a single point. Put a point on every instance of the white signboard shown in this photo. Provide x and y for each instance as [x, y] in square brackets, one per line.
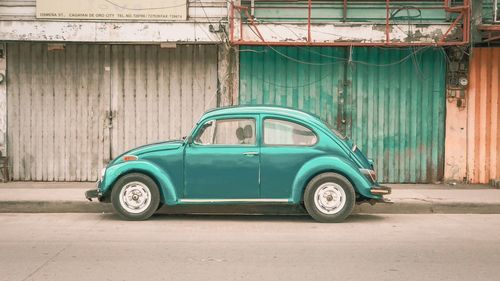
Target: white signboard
[142, 10]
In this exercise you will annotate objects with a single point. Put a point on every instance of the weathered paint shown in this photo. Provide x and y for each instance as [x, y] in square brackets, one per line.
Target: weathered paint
[359, 33]
[356, 11]
[392, 103]
[488, 10]
[455, 169]
[359, 22]
[483, 116]
[398, 111]
[66, 31]
[60, 103]
[18, 23]
[227, 69]
[197, 9]
[56, 111]
[3, 101]
[472, 141]
[158, 94]
[276, 76]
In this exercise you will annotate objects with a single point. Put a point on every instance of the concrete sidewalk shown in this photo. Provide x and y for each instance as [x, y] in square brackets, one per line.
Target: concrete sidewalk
[68, 197]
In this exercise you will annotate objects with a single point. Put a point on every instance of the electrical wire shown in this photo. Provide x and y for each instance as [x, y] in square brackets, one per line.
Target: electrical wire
[412, 55]
[415, 51]
[295, 86]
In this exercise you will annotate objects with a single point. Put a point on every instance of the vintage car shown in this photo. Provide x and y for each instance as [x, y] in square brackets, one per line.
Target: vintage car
[244, 155]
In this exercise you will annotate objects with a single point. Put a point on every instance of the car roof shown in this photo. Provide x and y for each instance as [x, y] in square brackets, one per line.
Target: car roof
[259, 109]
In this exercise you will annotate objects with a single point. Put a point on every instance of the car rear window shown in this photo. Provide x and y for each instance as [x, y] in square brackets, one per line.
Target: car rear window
[281, 132]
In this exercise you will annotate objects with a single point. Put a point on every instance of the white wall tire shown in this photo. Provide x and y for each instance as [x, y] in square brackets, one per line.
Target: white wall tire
[329, 197]
[135, 197]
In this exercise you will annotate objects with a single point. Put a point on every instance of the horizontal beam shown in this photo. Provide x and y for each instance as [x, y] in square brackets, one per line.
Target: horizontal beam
[348, 35]
[71, 31]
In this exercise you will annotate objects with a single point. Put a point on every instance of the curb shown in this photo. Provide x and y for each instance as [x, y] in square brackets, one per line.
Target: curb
[431, 208]
[53, 207]
[396, 208]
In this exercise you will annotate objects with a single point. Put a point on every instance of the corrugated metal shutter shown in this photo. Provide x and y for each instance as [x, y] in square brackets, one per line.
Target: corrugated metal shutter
[483, 116]
[397, 111]
[56, 111]
[158, 94]
[59, 103]
[389, 101]
[306, 78]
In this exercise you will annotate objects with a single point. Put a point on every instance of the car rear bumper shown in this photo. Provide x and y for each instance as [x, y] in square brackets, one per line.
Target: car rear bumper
[380, 190]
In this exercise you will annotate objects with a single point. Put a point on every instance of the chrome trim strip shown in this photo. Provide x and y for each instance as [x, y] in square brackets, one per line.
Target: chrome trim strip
[380, 191]
[257, 200]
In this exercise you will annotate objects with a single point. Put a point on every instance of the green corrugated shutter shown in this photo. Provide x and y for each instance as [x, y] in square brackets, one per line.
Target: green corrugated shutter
[276, 76]
[390, 101]
[397, 111]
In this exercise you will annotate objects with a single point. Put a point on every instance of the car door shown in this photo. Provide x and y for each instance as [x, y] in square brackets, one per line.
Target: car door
[222, 161]
[286, 146]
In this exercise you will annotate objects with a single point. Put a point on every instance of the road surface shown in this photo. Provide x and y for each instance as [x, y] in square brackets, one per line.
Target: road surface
[195, 247]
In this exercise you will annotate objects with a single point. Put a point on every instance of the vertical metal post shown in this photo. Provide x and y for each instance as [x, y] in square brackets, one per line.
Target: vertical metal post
[3, 99]
[344, 16]
[387, 15]
[309, 21]
[496, 12]
[231, 23]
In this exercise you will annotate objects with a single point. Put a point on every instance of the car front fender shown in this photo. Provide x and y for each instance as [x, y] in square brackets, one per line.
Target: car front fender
[330, 164]
[114, 172]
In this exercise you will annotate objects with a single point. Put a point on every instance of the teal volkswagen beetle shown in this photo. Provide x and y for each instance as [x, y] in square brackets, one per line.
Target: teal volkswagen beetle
[244, 155]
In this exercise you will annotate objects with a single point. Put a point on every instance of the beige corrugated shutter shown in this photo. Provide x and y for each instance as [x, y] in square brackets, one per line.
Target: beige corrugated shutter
[71, 110]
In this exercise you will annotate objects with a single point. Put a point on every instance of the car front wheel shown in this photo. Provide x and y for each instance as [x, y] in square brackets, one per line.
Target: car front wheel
[135, 197]
[329, 197]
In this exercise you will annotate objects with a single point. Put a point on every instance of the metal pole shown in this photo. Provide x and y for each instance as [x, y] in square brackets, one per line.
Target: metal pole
[309, 21]
[387, 14]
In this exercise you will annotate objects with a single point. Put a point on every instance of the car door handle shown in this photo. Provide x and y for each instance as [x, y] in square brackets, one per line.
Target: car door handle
[251, 153]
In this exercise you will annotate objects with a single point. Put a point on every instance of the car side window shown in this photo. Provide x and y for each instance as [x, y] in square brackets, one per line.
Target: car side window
[281, 132]
[239, 131]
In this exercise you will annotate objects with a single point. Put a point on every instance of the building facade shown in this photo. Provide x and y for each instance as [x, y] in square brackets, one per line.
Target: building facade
[414, 84]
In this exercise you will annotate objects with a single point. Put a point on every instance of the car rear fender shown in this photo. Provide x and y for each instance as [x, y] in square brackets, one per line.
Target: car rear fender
[114, 172]
[324, 164]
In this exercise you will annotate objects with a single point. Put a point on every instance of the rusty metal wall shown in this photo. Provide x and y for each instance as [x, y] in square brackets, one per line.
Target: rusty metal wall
[70, 111]
[201, 10]
[483, 116]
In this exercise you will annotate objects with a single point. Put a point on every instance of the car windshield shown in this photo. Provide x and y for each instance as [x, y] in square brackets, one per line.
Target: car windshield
[337, 133]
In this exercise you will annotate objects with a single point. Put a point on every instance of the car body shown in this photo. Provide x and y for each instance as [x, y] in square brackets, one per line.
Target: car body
[242, 155]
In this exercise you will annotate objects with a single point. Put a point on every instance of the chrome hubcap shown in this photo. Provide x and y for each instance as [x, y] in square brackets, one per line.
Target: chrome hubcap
[329, 198]
[135, 197]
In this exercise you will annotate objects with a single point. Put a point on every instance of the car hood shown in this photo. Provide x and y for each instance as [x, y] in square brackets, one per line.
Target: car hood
[166, 145]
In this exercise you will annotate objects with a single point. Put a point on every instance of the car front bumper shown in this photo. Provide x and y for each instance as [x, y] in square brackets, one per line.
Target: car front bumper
[380, 190]
[94, 193]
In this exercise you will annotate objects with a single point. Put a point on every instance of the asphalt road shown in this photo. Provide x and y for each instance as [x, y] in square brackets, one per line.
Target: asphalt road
[365, 247]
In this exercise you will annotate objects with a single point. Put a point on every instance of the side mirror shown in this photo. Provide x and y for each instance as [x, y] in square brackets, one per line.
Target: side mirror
[189, 140]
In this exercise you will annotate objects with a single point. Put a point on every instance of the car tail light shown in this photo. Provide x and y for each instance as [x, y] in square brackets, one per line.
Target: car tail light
[371, 175]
